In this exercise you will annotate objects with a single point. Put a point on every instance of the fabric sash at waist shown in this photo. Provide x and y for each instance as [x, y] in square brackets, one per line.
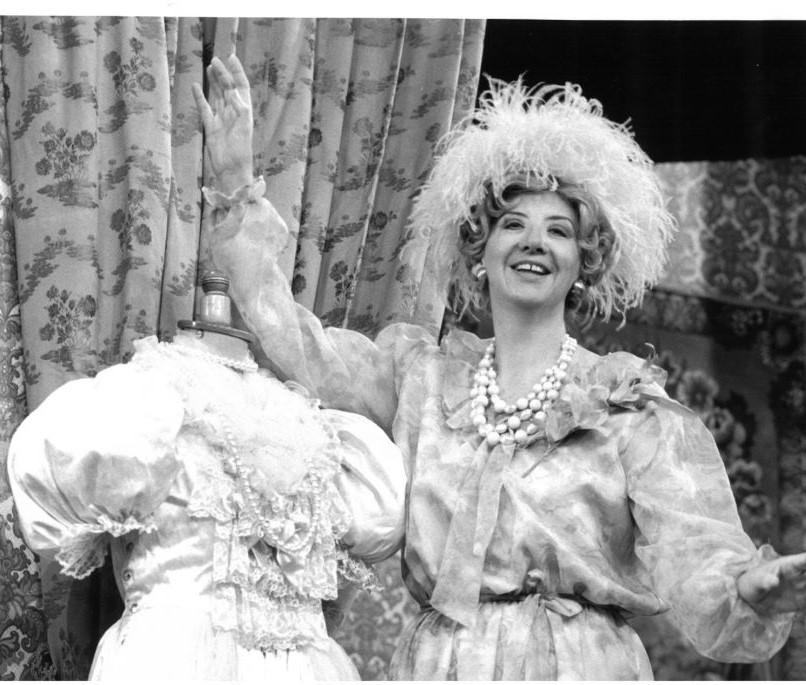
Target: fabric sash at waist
[524, 641]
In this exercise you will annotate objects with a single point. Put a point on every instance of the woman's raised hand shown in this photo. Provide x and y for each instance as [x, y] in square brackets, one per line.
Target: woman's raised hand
[226, 115]
[777, 585]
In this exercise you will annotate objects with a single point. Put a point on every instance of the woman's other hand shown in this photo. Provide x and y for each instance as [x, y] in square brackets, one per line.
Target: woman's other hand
[778, 585]
[227, 119]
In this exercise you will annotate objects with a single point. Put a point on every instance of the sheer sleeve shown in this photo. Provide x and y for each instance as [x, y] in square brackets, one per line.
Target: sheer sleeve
[345, 369]
[95, 459]
[690, 538]
[372, 483]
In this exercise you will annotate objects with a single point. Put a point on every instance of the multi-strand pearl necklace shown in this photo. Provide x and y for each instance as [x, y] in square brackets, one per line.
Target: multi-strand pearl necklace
[523, 420]
[264, 527]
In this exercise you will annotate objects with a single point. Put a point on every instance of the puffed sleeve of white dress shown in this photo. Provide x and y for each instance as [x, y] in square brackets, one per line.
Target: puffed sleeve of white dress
[372, 483]
[690, 537]
[94, 459]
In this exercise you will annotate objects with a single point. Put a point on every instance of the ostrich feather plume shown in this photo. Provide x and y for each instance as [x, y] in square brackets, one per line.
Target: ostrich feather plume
[547, 134]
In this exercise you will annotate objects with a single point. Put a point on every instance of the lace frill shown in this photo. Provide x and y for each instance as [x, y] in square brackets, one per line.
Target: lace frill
[275, 562]
[83, 549]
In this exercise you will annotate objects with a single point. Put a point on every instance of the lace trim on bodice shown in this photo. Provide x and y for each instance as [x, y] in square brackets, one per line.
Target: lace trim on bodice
[276, 556]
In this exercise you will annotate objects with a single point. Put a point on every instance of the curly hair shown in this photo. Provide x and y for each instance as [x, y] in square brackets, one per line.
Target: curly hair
[595, 238]
[551, 135]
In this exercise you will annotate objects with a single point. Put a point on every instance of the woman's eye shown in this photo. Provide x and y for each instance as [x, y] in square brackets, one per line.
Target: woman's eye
[513, 224]
[560, 230]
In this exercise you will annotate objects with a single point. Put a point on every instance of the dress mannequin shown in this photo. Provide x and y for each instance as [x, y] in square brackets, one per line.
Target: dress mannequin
[232, 506]
[212, 330]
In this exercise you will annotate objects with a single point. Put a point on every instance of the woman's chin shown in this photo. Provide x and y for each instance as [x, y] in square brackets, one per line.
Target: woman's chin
[529, 304]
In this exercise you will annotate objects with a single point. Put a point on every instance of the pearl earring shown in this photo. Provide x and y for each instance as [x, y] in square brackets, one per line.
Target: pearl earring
[578, 288]
[479, 271]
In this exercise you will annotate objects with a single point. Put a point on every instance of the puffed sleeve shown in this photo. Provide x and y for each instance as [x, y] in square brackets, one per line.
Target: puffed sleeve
[94, 459]
[372, 483]
[344, 368]
[690, 537]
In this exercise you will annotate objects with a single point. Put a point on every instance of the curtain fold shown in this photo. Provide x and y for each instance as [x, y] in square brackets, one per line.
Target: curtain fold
[23, 626]
[346, 115]
[445, 55]
[105, 157]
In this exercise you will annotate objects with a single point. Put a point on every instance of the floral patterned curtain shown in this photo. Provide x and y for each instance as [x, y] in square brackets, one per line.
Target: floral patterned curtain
[100, 168]
[347, 111]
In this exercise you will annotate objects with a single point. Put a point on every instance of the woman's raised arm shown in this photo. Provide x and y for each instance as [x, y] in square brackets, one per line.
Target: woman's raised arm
[226, 115]
[345, 369]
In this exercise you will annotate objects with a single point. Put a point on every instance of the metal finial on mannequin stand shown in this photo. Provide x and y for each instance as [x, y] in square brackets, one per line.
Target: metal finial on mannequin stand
[215, 312]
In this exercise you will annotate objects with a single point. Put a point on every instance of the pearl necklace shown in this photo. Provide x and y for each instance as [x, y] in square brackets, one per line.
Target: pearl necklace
[523, 420]
[264, 527]
[249, 501]
[245, 365]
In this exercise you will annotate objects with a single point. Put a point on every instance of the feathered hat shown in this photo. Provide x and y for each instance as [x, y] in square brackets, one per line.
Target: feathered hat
[548, 134]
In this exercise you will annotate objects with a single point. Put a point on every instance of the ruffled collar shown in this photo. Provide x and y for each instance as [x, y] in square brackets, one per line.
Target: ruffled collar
[597, 386]
[601, 385]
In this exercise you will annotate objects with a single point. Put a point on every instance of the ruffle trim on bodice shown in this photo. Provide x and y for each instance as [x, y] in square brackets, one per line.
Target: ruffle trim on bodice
[84, 548]
[601, 386]
[276, 554]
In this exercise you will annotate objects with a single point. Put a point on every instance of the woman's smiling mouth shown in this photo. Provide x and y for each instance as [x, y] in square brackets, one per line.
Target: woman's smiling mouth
[531, 267]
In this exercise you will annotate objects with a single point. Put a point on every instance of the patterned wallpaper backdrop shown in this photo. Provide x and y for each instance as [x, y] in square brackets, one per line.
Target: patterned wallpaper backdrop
[81, 278]
[100, 174]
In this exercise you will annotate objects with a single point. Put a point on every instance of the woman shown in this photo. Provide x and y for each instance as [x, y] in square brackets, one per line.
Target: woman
[232, 505]
[552, 492]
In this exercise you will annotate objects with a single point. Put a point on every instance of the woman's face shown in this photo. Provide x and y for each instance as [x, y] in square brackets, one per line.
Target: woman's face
[532, 255]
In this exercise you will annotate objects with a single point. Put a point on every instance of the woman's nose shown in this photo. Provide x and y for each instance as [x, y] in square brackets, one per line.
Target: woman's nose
[533, 239]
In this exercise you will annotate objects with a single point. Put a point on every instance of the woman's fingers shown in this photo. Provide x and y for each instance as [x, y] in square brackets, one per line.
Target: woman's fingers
[227, 85]
[221, 74]
[237, 72]
[214, 93]
[793, 566]
[235, 100]
[202, 105]
[231, 99]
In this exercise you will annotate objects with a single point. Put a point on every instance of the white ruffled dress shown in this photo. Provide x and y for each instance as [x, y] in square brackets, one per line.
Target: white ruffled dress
[222, 576]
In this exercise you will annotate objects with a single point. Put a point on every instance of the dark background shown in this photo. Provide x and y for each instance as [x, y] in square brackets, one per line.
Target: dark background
[693, 90]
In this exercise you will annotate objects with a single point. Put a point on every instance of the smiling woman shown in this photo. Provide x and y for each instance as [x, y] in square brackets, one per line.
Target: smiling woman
[532, 256]
[579, 217]
[552, 491]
